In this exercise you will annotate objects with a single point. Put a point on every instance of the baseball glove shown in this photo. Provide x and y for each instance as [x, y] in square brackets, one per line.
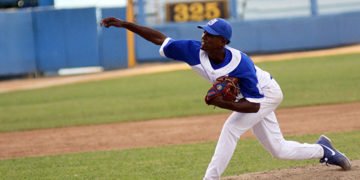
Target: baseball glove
[224, 86]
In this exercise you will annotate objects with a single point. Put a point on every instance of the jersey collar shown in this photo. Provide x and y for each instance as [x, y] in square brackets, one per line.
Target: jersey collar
[234, 62]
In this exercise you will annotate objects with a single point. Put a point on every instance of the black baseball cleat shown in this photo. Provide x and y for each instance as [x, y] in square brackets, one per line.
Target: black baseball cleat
[333, 156]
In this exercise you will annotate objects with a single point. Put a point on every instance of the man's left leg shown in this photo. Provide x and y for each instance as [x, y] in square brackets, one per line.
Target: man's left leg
[236, 125]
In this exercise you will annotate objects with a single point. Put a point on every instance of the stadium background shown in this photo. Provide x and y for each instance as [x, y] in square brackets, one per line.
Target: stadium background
[45, 39]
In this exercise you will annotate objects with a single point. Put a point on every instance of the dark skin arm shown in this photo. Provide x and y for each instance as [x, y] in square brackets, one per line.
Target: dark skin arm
[147, 33]
[242, 106]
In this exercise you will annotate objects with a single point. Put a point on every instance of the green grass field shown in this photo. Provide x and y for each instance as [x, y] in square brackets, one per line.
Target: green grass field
[308, 81]
[180, 162]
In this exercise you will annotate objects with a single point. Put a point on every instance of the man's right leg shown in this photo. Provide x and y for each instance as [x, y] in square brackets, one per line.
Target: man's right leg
[269, 134]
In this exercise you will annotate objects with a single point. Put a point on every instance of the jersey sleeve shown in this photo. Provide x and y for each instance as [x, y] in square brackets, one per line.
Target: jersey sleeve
[248, 80]
[181, 50]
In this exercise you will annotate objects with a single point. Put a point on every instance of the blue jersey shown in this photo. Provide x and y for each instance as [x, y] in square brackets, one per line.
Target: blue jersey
[236, 64]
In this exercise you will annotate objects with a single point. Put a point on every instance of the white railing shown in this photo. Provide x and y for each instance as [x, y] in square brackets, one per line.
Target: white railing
[270, 9]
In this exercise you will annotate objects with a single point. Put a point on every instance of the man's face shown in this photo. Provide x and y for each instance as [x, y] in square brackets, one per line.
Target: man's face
[211, 42]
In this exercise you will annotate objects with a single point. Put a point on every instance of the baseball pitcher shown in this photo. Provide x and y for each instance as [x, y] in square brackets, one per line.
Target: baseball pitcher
[238, 85]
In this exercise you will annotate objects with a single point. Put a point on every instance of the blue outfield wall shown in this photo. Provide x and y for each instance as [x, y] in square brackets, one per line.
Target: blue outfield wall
[112, 42]
[66, 38]
[17, 52]
[349, 26]
[47, 39]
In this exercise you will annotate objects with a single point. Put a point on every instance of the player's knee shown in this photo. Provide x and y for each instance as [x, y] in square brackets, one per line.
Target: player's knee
[281, 153]
[231, 130]
[278, 155]
[228, 128]
[281, 97]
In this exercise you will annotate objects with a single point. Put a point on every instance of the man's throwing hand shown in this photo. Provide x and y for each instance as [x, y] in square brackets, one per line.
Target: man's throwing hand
[111, 21]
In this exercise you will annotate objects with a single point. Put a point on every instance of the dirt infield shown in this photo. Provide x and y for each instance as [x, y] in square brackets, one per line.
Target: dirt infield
[116, 136]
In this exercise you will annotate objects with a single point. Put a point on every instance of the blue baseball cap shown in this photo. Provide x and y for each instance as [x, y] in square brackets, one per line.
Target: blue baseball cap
[218, 27]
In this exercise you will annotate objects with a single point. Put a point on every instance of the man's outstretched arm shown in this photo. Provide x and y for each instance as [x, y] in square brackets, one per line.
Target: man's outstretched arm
[147, 33]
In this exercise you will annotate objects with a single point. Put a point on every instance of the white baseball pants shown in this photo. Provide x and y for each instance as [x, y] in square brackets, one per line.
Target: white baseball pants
[266, 129]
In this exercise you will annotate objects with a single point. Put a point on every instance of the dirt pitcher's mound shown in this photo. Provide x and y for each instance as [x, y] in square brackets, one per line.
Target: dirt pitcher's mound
[318, 172]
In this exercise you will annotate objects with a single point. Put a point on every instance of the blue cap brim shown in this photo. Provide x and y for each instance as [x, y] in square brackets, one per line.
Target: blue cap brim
[209, 30]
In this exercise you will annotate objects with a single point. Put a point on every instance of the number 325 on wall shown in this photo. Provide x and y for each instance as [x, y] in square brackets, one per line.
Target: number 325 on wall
[196, 11]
